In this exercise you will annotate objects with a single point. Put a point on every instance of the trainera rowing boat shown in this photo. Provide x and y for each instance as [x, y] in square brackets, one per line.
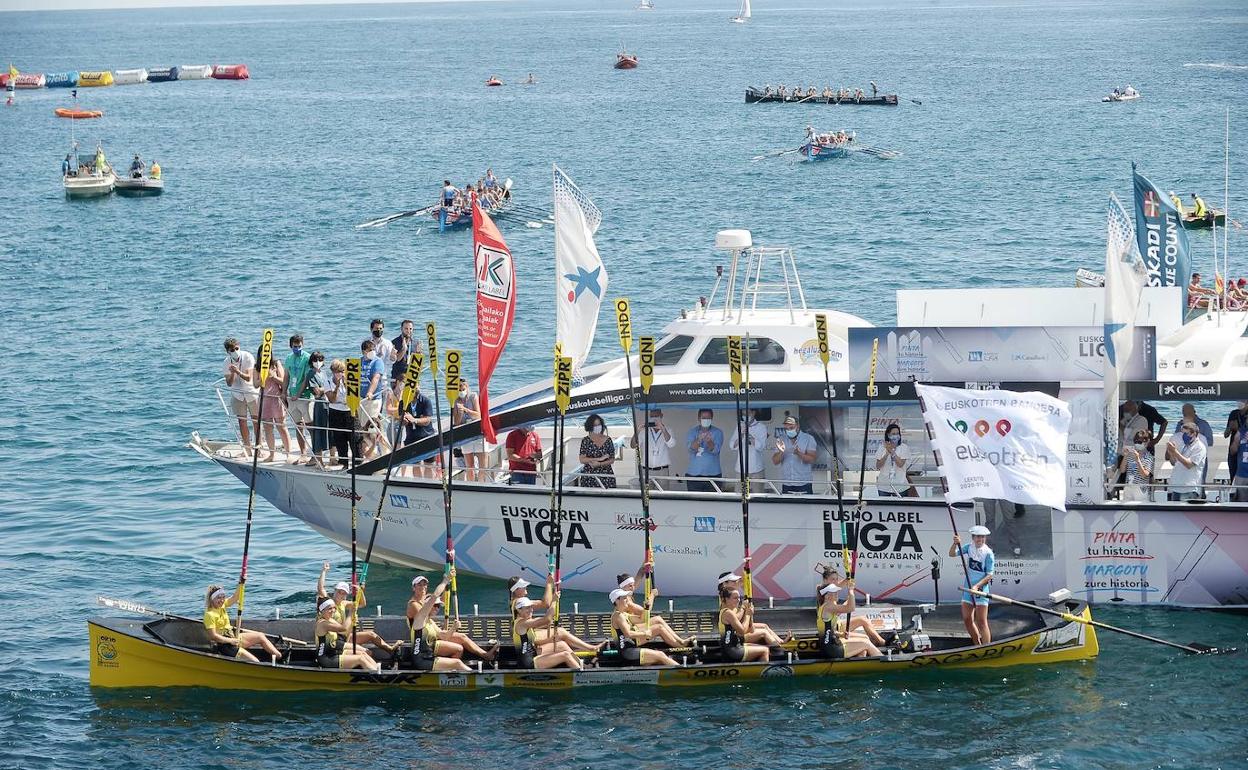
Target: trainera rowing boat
[173, 651]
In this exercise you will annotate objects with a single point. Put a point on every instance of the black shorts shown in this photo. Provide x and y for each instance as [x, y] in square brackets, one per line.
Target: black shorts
[327, 661]
[833, 648]
[735, 653]
[631, 655]
[228, 649]
[423, 662]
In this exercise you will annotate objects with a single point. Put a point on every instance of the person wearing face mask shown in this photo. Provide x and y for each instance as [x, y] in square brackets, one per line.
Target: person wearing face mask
[795, 454]
[273, 409]
[383, 347]
[299, 393]
[660, 443]
[756, 444]
[368, 420]
[705, 442]
[1186, 451]
[239, 369]
[338, 414]
[597, 455]
[1136, 466]
[890, 461]
[319, 383]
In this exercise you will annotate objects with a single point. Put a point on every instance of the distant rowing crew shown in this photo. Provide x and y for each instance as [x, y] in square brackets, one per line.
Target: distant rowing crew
[810, 92]
[487, 189]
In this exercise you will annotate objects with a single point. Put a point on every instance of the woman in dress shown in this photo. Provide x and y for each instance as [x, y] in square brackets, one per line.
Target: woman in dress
[597, 455]
[273, 411]
[468, 409]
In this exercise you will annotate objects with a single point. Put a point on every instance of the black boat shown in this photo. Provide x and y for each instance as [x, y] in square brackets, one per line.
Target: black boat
[753, 95]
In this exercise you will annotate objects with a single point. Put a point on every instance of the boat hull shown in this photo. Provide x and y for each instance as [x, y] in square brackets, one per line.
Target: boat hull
[139, 187]
[1204, 223]
[89, 186]
[818, 152]
[884, 100]
[1173, 554]
[627, 63]
[127, 654]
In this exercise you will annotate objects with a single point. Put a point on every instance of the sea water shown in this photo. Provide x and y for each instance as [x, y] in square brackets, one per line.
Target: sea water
[112, 314]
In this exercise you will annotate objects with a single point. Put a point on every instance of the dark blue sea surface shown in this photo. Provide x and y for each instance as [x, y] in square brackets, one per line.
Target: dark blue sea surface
[112, 314]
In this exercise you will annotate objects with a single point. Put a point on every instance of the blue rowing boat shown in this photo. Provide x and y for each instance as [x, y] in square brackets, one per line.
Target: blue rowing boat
[824, 151]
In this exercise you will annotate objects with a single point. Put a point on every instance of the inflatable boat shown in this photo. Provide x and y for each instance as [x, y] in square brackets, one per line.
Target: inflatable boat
[65, 112]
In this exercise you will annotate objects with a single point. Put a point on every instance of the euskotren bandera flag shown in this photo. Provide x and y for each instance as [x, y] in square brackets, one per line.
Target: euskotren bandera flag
[1125, 278]
[1160, 236]
[496, 304]
[998, 444]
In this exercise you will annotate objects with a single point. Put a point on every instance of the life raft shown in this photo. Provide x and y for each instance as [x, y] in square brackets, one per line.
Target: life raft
[65, 112]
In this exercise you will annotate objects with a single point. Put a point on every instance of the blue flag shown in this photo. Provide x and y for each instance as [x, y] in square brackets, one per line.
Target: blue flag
[1160, 236]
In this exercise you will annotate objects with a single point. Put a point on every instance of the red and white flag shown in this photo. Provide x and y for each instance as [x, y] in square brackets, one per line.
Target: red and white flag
[496, 304]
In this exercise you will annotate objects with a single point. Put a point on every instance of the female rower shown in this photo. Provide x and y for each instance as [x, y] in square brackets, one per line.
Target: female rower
[424, 640]
[341, 607]
[979, 566]
[761, 632]
[658, 627]
[221, 632]
[518, 588]
[445, 641]
[525, 630]
[628, 637]
[736, 622]
[833, 641]
[329, 645]
[831, 577]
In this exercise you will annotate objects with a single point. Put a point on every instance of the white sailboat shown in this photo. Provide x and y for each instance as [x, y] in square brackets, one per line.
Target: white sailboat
[646, 5]
[744, 15]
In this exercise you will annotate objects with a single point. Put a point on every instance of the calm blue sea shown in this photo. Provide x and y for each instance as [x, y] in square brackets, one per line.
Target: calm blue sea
[112, 314]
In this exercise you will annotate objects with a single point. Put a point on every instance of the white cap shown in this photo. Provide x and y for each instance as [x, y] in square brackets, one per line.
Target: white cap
[220, 593]
[346, 589]
[829, 588]
[325, 605]
[523, 602]
[521, 583]
[628, 581]
[980, 529]
[728, 578]
[419, 579]
[618, 594]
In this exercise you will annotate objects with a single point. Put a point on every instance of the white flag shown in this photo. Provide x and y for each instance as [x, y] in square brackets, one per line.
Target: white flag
[998, 444]
[1125, 278]
[580, 278]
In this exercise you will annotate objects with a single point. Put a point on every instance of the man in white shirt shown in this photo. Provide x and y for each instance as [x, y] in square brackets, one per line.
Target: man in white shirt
[891, 461]
[756, 443]
[382, 347]
[239, 368]
[661, 440]
[1186, 451]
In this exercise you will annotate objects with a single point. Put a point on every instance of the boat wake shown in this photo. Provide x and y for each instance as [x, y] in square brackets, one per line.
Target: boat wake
[1225, 66]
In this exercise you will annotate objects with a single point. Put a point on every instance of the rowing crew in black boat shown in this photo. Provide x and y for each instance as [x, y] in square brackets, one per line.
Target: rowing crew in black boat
[827, 95]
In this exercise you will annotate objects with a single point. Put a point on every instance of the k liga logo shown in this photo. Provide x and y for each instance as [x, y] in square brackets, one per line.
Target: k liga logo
[982, 427]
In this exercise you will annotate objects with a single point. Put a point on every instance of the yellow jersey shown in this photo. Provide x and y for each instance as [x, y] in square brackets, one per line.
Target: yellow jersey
[218, 619]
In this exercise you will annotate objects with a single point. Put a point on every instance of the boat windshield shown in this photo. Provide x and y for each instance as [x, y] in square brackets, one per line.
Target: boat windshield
[674, 350]
[764, 351]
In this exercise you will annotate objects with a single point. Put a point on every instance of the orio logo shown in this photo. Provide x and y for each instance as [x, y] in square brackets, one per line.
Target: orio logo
[982, 427]
[106, 651]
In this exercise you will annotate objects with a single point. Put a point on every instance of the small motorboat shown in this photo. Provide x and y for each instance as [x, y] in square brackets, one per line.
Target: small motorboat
[1211, 218]
[139, 186]
[493, 82]
[66, 112]
[646, 5]
[1127, 94]
[89, 180]
[625, 61]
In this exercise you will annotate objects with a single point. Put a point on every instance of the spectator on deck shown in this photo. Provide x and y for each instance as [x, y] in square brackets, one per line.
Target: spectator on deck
[467, 409]
[1130, 416]
[244, 395]
[661, 441]
[273, 408]
[299, 392]
[890, 461]
[1136, 466]
[1236, 431]
[403, 347]
[1186, 451]
[756, 444]
[418, 424]
[597, 455]
[795, 453]
[368, 421]
[704, 442]
[524, 451]
[381, 346]
[319, 383]
[338, 414]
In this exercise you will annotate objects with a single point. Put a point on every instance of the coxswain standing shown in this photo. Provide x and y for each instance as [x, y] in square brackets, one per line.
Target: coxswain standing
[1201, 210]
[874, 90]
[449, 193]
[980, 563]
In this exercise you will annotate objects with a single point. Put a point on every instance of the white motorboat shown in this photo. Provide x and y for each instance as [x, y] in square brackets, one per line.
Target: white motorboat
[1127, 94]
[89, 180]
[1017, 339]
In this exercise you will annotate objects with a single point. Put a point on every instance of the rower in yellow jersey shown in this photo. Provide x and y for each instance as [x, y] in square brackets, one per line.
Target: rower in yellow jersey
[221, 631]
[424, 634]
[526, 633]
[450, 642]
[342, 608]
[330, 634]
[628, 637]
[834, 641]
[518, 589]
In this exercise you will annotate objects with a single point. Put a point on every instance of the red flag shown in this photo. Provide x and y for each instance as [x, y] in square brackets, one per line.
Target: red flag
[496, 304]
